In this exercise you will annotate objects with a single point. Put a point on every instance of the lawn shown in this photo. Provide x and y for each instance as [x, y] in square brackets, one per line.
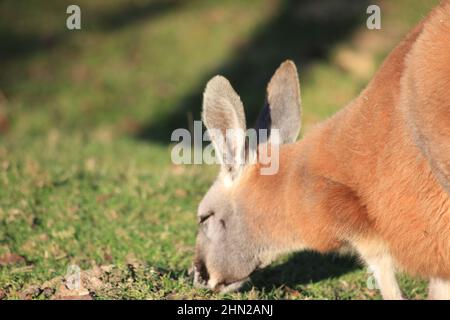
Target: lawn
[86, 177]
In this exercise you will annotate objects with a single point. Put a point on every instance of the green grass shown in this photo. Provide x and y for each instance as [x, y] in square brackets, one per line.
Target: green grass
[85, 122]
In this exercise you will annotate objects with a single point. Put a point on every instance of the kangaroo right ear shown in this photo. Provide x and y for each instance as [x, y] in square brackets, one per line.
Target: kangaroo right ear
[282, 110]
[223, 116]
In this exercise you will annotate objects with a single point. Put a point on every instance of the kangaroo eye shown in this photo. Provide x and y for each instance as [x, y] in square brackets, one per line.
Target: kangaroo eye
[206, 216]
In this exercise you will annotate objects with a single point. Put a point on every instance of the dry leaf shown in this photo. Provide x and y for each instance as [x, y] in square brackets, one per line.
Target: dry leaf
[10, 259]
[294, 293]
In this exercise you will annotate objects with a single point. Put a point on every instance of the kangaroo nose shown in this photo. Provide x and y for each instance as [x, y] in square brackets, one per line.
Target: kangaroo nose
[201, 275]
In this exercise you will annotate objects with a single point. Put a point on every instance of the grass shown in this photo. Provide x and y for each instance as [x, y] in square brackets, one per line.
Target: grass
[85, 122]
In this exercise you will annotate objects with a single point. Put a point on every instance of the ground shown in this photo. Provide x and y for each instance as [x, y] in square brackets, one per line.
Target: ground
[85, 120]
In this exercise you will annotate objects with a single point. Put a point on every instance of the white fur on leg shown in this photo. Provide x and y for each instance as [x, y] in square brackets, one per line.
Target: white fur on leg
[439, 289]
[384, 273]
[377, 257]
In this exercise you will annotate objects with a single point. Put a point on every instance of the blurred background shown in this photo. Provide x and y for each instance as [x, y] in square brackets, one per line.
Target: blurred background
[86, 117]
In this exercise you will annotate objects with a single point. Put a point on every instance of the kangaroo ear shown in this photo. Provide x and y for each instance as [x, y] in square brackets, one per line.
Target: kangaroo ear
[282, 110]
[223, 116]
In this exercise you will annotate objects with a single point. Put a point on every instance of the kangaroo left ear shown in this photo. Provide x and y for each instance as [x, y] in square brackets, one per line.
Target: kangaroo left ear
[223, 116]
[282, 110]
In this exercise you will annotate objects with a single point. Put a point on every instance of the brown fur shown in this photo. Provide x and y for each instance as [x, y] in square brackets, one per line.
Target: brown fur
[379, 169]
[374, 178]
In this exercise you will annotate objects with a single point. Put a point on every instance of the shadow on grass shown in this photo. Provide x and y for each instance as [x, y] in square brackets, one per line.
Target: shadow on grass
[132, 13]
[18, 44]
[304, 31]
[303, 268]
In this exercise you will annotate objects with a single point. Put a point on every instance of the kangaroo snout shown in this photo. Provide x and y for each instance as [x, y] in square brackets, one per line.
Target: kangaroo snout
[201, 275]
[202, 280]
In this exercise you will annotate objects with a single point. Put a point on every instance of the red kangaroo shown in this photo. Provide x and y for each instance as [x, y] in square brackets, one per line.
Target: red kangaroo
[374, 178]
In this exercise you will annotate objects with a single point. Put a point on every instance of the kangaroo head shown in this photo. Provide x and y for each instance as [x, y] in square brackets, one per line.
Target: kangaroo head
[227, 251]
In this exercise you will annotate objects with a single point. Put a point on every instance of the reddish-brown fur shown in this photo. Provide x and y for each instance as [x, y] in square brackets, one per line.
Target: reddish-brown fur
[378, 169]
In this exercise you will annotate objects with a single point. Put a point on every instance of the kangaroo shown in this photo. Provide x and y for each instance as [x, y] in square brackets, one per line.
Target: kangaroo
[374, 178]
